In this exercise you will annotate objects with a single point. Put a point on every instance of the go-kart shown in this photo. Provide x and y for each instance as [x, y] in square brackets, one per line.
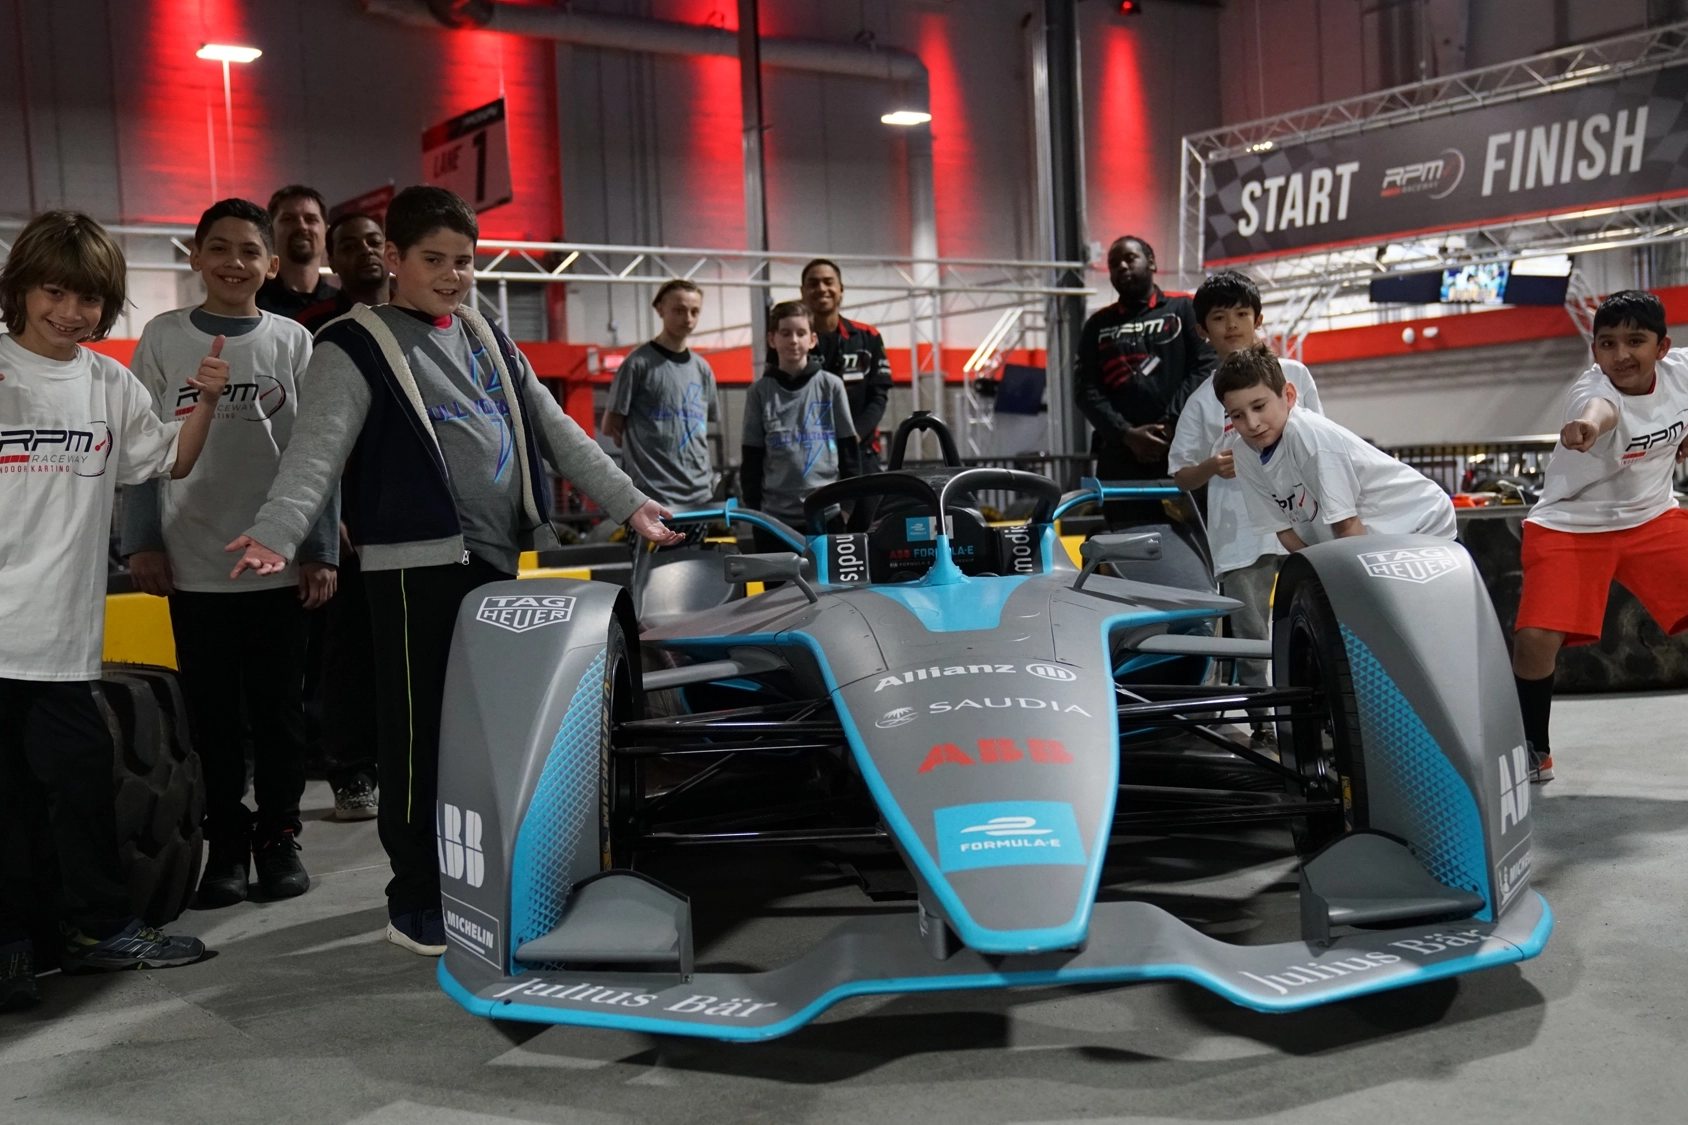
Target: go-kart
[926, 696]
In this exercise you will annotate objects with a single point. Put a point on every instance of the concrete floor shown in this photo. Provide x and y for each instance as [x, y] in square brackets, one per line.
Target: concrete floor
[307, 1015]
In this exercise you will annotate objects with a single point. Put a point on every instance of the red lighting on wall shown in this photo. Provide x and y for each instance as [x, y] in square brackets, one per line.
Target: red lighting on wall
[709, 132]
[963, 230]
[1130, 7]
[1122, 184]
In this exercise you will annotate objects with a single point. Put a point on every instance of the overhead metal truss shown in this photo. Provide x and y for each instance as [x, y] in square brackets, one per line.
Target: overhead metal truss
[1580, 231]
[885, 291]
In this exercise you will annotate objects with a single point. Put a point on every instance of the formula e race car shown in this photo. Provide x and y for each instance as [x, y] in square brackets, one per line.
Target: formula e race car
[977, 736]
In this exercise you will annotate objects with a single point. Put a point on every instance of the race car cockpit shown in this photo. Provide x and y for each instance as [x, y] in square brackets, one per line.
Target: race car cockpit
[909, 525]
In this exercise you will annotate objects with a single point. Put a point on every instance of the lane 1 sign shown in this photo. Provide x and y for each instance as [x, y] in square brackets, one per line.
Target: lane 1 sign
[470, 155]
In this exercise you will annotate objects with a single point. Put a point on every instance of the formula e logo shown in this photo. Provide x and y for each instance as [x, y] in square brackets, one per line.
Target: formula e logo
[1052, 672]
[1007, 834]
[1411, 564]
[1439, 177]
[896, 717]
[519, 613]
[1514, 788]
[458, 841]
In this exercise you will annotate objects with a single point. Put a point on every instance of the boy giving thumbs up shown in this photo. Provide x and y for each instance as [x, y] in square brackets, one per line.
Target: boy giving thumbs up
[240, 644]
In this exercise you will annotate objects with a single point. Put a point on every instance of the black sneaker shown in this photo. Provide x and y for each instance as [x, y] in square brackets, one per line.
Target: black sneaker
[420, 931]
[227, 877]
[17, 977]
[356, 801]
[280, 873]
[136, 946]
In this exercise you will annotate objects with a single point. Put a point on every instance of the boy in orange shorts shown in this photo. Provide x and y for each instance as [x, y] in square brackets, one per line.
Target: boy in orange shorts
[1607, 511]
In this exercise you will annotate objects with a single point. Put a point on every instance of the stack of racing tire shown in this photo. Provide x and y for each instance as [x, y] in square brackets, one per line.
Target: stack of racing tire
[160, 799]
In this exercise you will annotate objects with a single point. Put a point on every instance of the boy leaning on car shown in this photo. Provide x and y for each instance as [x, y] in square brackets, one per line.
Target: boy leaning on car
[442, 489]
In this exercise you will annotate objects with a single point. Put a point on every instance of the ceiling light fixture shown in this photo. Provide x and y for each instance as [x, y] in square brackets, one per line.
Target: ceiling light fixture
[226, 53]
[906, 117]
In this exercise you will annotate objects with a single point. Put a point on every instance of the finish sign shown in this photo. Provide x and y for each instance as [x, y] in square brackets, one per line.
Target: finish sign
[470, 154]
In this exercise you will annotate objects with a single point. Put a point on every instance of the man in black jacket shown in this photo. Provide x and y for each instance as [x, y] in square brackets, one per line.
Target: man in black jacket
[1139, 359]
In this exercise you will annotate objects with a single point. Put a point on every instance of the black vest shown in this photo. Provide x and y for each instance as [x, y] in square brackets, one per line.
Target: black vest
[395, 485]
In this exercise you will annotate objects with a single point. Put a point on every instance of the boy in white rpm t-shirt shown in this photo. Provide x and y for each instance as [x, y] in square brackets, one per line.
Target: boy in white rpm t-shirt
[73, 425]
[1204, 448]
[1607, 509]
[1307, 479]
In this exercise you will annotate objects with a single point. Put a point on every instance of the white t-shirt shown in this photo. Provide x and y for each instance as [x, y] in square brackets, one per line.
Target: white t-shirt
[1203, 430]
[1320, 474]
[1625, 479]
[205, 511]
[71, 431]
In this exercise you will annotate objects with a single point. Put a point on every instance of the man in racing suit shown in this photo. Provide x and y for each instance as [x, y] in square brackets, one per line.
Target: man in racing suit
[850, 350]
[1139, 359]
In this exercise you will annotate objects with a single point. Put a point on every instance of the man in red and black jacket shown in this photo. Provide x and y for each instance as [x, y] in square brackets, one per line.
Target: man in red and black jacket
[851, 350]
[1139, 359]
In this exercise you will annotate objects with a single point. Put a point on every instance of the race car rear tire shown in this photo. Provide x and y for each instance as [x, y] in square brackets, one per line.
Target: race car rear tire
[158, 788]
[1325, 752]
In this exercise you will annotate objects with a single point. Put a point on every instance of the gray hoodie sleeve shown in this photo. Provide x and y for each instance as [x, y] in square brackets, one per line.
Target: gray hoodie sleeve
[143, 507]
[331, 415]
[578, 458]
[323, 542]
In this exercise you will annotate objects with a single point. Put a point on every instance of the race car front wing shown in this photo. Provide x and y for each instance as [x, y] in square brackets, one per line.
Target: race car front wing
[1128, 941]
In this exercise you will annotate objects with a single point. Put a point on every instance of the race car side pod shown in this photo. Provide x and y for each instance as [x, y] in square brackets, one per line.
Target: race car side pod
[1441, 764]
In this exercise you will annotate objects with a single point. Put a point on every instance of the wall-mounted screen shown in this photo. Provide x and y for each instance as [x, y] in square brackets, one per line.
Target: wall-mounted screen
[1483, 284]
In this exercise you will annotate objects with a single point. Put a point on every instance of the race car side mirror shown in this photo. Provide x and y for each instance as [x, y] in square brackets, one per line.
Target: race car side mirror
[1125, 547]
[778, 566]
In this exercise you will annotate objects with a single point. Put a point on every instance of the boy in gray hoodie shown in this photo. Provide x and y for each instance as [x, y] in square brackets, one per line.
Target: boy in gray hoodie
[439, 424]
[798, 434]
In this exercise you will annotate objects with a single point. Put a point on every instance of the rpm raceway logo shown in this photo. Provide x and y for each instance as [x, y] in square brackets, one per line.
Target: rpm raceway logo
[256, 401]
[1438, 177]
[83, 451]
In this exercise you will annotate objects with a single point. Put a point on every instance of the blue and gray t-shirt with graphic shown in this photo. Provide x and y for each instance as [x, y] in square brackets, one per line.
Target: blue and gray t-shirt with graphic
[668, 399]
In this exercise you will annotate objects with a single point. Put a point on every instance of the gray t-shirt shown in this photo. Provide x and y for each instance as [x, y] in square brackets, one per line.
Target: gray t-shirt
[460, 387]
[668, 399]
[799, 428]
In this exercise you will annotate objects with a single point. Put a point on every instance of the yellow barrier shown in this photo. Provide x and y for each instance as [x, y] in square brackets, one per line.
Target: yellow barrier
[137, 630]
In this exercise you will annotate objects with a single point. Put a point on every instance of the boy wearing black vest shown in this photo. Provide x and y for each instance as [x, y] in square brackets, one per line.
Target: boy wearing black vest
[443, 488]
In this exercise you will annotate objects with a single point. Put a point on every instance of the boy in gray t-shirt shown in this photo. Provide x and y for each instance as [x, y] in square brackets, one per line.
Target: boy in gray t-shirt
[798, 433]
[662, 402]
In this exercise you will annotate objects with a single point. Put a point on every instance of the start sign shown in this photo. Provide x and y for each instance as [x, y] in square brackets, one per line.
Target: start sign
[470, 155]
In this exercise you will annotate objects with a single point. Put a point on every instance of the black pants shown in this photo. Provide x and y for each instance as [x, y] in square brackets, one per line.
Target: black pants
[242, 662]
[1116, 462]
[412, 614]
[349, 727]
[56, 765]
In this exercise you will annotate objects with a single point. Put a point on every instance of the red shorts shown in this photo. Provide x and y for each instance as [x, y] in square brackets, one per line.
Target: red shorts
[1567, 575]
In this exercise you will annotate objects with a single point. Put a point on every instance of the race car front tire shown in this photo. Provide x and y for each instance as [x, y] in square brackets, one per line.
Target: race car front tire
[1325, 752]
